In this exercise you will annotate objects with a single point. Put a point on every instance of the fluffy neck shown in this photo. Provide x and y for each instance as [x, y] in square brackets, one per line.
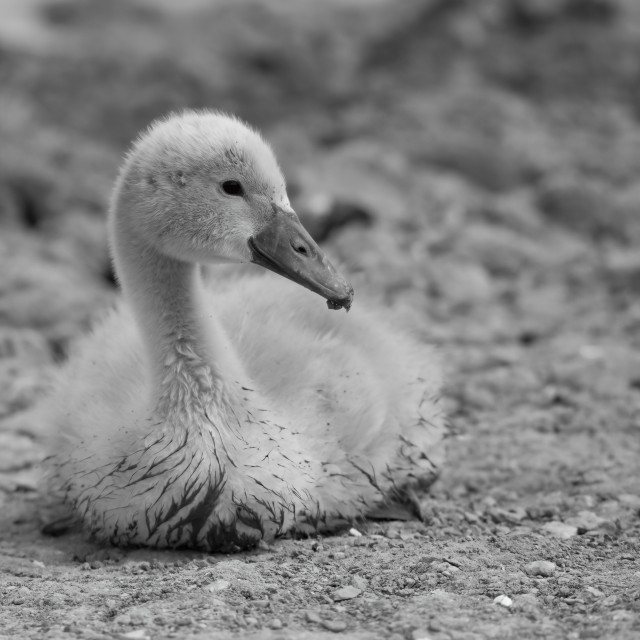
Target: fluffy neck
[188, 353]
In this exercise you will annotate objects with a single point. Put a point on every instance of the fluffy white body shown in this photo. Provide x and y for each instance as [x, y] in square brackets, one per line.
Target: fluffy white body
[211, 415]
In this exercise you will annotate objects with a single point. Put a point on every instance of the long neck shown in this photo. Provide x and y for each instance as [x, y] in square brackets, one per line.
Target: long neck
[188, 352]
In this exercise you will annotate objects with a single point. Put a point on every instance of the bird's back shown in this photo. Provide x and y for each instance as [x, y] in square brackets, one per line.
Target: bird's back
[357, 383]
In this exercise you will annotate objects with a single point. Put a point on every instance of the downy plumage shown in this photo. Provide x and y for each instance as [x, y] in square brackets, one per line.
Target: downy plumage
[210, 416]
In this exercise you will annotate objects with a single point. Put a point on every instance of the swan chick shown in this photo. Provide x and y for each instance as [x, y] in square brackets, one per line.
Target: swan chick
[211, 415]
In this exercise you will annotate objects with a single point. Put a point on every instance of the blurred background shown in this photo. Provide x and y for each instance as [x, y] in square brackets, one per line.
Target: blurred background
[474, 164]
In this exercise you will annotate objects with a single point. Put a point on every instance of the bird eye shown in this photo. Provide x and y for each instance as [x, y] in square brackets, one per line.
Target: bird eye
[232, 188]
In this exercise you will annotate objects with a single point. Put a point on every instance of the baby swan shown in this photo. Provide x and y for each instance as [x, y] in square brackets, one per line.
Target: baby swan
[208, 416]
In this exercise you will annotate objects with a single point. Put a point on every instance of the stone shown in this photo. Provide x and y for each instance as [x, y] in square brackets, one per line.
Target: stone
[334, 625]
[586, 521]
[592, 593]
[346, 593]
[313, 616]
[540, 568]
[630, 499]
[560, 530]
[503, 600]
[137, 634]
[218, 585]
[359, 582]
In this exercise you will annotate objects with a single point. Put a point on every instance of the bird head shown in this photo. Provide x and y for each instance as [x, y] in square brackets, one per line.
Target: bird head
[205, 187]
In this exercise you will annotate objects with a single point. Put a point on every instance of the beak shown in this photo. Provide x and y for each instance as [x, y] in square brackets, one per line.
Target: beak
[285, 247]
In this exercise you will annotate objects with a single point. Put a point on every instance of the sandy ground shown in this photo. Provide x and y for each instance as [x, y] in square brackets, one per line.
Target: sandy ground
[485, 161]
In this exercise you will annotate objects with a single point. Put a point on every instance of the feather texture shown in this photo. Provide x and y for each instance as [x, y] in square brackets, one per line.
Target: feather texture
[205, 415]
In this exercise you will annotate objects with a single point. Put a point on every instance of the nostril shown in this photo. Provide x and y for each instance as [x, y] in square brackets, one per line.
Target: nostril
[300, 248]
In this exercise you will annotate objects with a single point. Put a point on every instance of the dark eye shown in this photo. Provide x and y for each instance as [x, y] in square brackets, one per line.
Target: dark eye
[232, 188]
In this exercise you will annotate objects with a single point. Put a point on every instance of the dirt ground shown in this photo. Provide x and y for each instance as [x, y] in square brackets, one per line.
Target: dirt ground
[474, 165]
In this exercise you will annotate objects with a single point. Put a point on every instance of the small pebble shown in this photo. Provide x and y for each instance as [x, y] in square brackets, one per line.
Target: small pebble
[622, 614]
[138, 634]
[513, 515]
[140, 615]
[560, 530]
[218, 585]
[334, 625]
[503, 600]
[359, 582]
[628, 499]
[276, 623]
[420, 634]
[540, 568]
[313, 616]
[586, 521]
[355, 533]
[346, 593]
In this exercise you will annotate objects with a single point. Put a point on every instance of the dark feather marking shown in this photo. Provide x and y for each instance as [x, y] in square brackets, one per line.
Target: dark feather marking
[406, 441]
[206, 415]
[159, 472]
[215, 453]
[276, 514]
[91, 471]
[314, 518]
[249, 517]
[225, 537]
[198, 516]
[186, 500]
[264, 486]
[171, 480]
[286, 458]
[192, 478]
[142, 450]
[237, 433]
[156, 463]
[389, 476]
[371, 477]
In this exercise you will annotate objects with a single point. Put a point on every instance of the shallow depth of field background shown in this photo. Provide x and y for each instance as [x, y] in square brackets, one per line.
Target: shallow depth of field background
[473, 165]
